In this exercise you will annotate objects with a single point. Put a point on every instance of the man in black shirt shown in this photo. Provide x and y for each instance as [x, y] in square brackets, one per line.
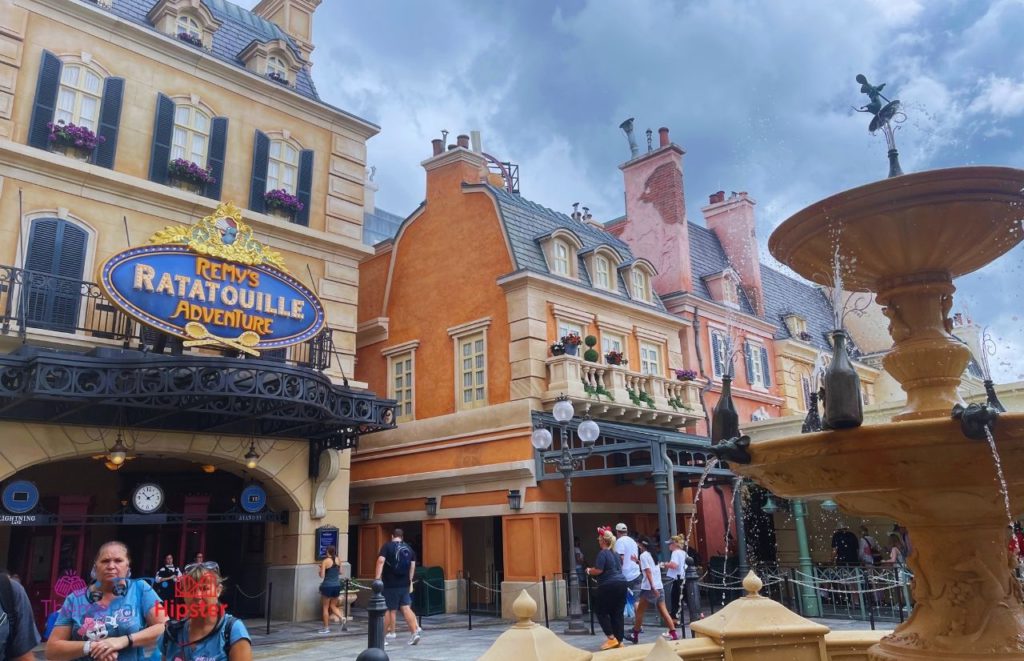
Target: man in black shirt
[396, 565]
[845, 547]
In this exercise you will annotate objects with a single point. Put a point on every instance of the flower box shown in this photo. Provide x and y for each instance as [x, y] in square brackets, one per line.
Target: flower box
[686, 375]
[76, 142]
[557, 349]
[186, 175]
[281, 203]
[571, 342]
[615, 358]
[277, 78]
[190, 39]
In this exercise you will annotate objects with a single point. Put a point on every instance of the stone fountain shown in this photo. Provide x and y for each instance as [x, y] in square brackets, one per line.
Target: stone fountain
[905, 239]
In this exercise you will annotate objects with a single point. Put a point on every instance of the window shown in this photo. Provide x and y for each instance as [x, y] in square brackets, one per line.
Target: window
[612, 342]
[472, 371]
[561, 261]
[650, 359]
[401, 386]
[566, 327]
[729, 292]
[282, 166]
[188, 25]
[759, 415]
[719, 353]
[78, 99]
[641, 286]
[276, 67]
[55, 255]
[602, 277]
[758, 368]
[805, 382]
[865, 395]
[191, 137]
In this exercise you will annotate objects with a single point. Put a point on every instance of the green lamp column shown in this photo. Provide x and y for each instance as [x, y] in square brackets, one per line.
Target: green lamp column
[810, 603]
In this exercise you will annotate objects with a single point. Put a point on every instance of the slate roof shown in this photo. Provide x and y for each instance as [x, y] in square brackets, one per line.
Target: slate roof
[526, 222]
[785, 295]
[707, 257]
[380, 225]
[239, 28]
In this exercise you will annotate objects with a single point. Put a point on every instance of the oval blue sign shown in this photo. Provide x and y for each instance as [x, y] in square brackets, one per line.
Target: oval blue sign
[254, 498]
[20, 497]
[209, 301]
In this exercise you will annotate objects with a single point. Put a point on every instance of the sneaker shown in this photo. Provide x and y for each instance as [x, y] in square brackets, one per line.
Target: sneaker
[673, 634]
[415, 639]
[633, 637]
[324, 631]
[391, 636]
[610, 644]
[387, 644]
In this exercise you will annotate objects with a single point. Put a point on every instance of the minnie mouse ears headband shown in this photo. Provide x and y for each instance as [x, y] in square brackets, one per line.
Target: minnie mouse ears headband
[601, 530]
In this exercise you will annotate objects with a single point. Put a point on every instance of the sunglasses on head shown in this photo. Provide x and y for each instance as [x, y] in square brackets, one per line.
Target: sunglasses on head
[209, 565]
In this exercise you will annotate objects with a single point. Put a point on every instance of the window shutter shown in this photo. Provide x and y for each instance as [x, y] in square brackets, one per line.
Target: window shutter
[163, 130]
[305, 187]
[215, 159]
[765, 368]
[42, 245]
[45, 104]
[110, 120]
[749, 361]
[55, 248]
[716, 353]
[260, 159]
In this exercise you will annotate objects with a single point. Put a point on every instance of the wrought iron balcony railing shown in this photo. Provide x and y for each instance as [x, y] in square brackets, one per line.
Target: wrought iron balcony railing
[32, 300]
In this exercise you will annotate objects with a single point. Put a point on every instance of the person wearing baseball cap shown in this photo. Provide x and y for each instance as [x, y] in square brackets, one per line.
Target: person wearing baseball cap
[652, 592]
[629, 554]
[676, 567]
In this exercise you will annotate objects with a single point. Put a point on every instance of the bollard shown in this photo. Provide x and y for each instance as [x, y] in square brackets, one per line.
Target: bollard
[871, 613]
[544, 590]
[469, 599]
[692, 589]
[372, 654]
[270, 593]
[375, 620]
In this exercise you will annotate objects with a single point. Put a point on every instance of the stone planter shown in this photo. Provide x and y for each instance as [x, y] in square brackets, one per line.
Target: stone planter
[72, 151]
[186, 185]
[284, 214]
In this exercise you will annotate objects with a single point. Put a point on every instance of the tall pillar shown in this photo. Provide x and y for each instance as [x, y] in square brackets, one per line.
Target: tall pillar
[442, 547]
[662, 495]
[532, 549]
[810, 603]
[741, 527]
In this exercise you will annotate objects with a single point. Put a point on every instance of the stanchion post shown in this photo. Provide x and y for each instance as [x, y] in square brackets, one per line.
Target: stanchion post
[344, 622]
[270, 593]
[375, 620]
[544, 592]
[899, 594]
[469, 599]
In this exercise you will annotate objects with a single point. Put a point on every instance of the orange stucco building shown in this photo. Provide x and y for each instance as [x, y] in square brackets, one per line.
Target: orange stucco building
[457, 318]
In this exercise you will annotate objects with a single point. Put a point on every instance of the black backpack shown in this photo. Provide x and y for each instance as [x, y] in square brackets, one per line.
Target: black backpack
[8, 614]
[175, 628]
[402, 561]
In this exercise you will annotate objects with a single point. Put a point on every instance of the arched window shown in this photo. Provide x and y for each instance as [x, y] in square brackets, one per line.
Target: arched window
[282, 166]
[561, 261]
[54, 265]
[79, 96]
[276, 67]
[602, 276]
[191, 138]
[188, 25]
[641, 285]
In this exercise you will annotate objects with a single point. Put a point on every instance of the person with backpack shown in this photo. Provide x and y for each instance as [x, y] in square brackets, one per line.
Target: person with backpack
[396, 565]
[18, 634]
[209, 632]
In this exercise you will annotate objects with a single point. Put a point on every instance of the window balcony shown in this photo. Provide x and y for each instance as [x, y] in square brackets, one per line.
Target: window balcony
[613, 392]
[58, 311]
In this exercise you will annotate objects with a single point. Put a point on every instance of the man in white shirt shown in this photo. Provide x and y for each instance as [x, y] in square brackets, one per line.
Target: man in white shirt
[676, 571]
[652, 592]
[629, 553]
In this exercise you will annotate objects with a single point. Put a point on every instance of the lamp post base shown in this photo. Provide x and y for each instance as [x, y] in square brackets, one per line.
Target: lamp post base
[576, 628]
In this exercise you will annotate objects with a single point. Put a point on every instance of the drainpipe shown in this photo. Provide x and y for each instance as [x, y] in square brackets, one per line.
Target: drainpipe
[804, 559]
[700, 366]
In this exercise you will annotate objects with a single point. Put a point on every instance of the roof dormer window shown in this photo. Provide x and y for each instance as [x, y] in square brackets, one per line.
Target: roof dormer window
[641, 286]
[560, 249]
[189, 30]
[560, 263]
[602, 272]
[602, 263]
[189, 21]
[277, 70]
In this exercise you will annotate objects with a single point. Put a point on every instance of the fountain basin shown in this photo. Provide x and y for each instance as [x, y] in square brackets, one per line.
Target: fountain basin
[943, 486]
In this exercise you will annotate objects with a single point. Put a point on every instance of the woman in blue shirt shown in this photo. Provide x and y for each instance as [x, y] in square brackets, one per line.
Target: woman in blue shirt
[611, 590]
[114, 618]
[208, 632]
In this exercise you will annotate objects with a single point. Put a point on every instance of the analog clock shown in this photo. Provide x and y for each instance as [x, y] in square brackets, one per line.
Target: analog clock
[148, 498]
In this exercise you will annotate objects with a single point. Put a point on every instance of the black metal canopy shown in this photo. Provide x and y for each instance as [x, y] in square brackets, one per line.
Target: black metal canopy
[187, 393]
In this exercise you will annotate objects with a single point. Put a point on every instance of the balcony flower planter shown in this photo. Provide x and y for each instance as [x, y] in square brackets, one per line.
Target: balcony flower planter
[188, 176]
[686, 375]
[282, 204]
[804, 336]
[277, 78]
[557, 349]
[76, 142]
[190, 39]
[615, 358]
[572, 343]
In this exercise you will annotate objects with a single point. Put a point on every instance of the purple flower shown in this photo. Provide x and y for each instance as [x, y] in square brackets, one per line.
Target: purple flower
[281, 199]
[190, 39]
[73, 136]
[182, 168]
[686, 375]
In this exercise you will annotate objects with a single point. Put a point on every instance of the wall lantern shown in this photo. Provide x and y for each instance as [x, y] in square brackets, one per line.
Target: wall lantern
[364, 511]
[431, 506]
[515, 499]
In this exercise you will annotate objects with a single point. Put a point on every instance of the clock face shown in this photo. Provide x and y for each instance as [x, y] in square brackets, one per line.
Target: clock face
[148, 498]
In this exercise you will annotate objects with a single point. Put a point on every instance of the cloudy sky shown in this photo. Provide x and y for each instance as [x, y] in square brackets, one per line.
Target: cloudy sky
[758, 94]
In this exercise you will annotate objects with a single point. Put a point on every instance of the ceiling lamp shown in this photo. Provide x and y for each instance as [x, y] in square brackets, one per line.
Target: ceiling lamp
[251, 457]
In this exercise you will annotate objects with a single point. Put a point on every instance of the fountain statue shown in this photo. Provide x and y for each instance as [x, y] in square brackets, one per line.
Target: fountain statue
[905, 239]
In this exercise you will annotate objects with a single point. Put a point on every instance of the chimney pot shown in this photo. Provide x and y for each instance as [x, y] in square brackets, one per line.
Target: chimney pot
[715, 198]
[463, 141]
[451, 147]
[663, 137]
[438, 145]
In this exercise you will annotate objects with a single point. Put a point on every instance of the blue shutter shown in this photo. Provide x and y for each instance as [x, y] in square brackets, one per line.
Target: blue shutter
[716, 353]
[47, 86]
[260, 159]
[163, 132]
[215, 159]
[110, 120]
[765, 368]
[55, 259]
[305, 187]
[749, 362]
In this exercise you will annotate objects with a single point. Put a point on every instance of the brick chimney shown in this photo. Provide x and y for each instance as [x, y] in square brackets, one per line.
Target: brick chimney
[732, 221]
[295, 17]
[655, 226]
[448, 170]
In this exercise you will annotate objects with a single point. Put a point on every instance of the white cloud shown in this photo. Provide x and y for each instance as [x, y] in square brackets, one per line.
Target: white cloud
[1000, 96]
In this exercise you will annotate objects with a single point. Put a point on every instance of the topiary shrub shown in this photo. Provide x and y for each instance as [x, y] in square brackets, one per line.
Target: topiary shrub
[591, 356]
[590, 341]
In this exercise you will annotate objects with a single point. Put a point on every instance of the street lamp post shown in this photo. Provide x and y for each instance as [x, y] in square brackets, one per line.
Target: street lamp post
[567, 463]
